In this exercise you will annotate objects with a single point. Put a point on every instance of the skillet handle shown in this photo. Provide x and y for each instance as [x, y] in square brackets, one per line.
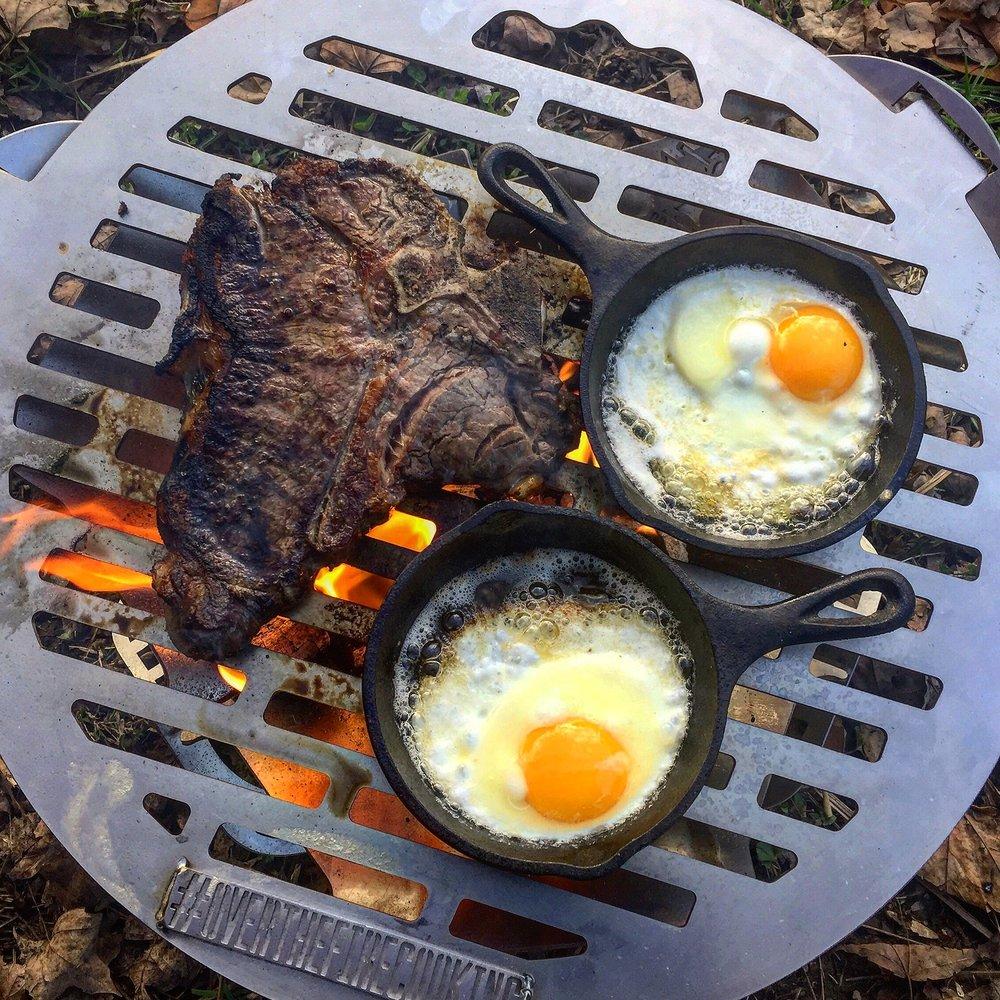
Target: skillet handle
[757, 630]
[601, 255]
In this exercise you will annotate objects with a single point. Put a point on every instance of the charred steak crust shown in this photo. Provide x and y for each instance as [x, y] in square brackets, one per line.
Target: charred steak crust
[343, 341]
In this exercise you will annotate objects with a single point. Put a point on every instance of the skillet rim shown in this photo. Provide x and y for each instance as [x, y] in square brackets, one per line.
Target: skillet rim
[703, 603]
[623, 491]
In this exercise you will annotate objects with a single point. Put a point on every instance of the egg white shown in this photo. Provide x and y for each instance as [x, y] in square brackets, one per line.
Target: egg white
[694, 368]
[499, 683]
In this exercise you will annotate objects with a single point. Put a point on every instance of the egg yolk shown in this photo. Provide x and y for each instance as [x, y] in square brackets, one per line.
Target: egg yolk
[816, 353]
[574, 770]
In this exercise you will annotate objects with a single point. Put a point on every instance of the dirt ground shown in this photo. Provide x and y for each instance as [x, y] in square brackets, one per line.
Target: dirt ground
[60, 934]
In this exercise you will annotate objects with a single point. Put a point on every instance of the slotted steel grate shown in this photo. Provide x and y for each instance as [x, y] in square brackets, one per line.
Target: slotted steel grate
[88, 290]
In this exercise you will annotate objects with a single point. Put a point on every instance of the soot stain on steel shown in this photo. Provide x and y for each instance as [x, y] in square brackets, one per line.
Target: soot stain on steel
[119, 413]
[357, 777]
[296, 685]
[90, 332]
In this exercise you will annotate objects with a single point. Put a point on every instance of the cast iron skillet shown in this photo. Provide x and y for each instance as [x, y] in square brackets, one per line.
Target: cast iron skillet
[724, 640]
[625, 276]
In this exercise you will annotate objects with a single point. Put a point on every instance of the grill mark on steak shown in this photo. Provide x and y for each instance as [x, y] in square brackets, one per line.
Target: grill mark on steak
[343, 341]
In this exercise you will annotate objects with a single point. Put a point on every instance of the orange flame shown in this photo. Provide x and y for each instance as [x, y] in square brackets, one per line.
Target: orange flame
[583, 451]
[405, 530]
[19, 523]
[236, 679]
[91, 574]
[568, 369]
[352, 584]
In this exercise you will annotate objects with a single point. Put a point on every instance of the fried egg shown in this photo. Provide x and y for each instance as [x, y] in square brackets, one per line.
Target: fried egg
[551, 724]
[746, 401]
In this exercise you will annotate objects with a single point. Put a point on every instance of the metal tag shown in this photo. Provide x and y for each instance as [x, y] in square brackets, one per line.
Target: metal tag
[367, 957]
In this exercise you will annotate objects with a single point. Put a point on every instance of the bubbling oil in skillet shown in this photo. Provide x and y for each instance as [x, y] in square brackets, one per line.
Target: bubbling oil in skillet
[544, 697]
[745, 402]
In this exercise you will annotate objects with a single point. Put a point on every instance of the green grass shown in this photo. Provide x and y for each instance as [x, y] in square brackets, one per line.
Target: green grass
[982, 93]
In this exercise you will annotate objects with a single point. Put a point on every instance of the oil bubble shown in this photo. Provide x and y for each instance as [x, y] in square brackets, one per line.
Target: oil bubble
[452, 621]
[862, 466]
[491, 593]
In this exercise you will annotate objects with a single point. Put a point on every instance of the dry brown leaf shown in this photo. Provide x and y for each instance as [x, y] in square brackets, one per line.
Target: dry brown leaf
[101, 6]
[841, 29]
[989, 992]
[67, 290]
[910, 28]
[921, 929]
[935, 421]
[22, 17]
[989, 951]
[160, 20]
[683, 91]
[959, 41]
[251, 88]
[959, 6]
[200, 12]
[860, 202]
[874, 29]
[359, 58]
[961, 67]
[136, 930]
[647, 134]
[27, 840]
[967, 864]
[524, 35]
[23, 109]
[5, 776]
[912, 924]
[919, 962]
[11, 981]
[67, 960]
[161, 966]
[37, 853]
[990, 27]
[872, 741]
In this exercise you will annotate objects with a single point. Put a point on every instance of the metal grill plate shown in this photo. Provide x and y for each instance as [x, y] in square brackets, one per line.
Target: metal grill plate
[742, 933]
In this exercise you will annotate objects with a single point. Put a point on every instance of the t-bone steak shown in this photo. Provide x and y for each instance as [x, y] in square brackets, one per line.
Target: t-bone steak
[343, 341]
